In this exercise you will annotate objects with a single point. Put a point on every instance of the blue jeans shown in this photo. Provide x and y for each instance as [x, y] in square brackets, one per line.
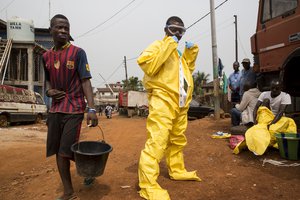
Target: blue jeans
[235, 117]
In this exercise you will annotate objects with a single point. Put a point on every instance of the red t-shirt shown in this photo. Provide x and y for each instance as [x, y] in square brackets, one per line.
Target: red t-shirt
[65, 69]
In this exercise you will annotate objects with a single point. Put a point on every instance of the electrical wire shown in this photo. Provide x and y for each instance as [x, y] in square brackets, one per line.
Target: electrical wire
[206, 15]
[115, 70]
[137, 56]
[132, 58]
[7, 6]
[240, 42]
[207, 31]
[120, 65]
[120, 19]
[106, 20]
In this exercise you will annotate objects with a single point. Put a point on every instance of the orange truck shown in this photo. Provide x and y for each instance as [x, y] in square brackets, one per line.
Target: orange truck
[276, 48]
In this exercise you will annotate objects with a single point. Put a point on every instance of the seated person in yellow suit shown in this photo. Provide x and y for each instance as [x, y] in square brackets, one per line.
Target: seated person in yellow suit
[169, 83]
[269, 119]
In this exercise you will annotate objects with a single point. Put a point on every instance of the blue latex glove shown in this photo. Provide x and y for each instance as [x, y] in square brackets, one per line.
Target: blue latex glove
[175, 38]
[189, 45]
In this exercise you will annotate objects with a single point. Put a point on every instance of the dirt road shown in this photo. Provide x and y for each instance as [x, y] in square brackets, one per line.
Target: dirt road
[26, 174]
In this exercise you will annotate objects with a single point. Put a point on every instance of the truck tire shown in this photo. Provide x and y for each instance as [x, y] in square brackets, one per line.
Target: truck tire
[3, 121]
[130, 112]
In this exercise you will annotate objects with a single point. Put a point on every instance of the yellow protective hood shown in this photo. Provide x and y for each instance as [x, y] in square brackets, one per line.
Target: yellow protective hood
[158, 61]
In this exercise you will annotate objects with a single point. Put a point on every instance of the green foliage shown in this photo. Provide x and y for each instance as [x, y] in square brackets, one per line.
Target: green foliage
[200, 78]
[133, 83]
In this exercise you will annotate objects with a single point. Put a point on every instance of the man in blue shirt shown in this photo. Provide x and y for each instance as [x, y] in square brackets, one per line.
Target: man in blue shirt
[234, 83]
[247, 75]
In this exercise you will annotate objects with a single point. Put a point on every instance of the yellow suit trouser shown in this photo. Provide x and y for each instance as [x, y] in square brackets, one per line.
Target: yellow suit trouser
[166, 127]
[259, 137]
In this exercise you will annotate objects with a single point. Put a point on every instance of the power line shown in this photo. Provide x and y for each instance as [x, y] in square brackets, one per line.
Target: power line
[207, 31]
[121, 64]
[206, 35]
[206, 15]
[120, 19]
[187, 28]
[240, 42]
[115, 70]
[132, 58]
[106, 20]
[7, 5]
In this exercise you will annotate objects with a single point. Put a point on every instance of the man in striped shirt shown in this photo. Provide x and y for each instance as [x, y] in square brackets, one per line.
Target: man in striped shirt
[68, 84]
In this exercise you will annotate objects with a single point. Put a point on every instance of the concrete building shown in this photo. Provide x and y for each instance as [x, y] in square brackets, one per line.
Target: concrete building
[108, 95]
[21, 50]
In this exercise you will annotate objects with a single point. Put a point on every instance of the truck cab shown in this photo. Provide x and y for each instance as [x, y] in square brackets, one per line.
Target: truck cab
[276, 47]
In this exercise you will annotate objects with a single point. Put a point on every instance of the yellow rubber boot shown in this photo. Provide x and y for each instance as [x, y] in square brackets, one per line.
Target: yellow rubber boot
[176, 166]
[174, 154]
[148, 173]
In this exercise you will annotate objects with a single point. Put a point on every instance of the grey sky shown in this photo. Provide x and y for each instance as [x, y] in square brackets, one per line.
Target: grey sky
[137, 26]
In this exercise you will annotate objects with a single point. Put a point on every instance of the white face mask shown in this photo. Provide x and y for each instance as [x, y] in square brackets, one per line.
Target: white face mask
[176, 30]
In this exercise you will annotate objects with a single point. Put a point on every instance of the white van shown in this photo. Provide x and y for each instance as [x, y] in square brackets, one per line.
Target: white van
[20, 105]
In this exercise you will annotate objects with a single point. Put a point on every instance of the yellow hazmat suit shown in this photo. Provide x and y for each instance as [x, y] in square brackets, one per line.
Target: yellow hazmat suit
[167, 121]
[259, 138]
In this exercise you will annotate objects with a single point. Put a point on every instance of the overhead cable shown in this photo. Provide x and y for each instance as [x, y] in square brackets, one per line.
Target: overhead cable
[131, 58]
[206, 15]
[7, 5]
[115, 70]
[121, 18]
[106, 20]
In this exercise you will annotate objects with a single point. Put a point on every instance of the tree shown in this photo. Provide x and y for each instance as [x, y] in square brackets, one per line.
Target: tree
[133, 83]
[200, 78]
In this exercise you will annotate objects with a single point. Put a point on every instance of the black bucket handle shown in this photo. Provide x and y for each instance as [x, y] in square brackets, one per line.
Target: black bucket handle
[99, 140]
[101, 132]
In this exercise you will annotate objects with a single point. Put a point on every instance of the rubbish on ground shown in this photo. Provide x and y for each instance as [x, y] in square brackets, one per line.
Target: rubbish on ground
[125, 186]
[220, 134]
[280, 163]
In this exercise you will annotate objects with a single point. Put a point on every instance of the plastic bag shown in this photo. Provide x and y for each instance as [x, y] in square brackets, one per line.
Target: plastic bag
[234, 140]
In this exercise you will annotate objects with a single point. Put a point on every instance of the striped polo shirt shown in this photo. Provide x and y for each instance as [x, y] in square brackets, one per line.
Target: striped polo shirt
[65, 68]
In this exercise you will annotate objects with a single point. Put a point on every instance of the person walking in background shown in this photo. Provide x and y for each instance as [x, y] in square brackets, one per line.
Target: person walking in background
[169, 83]
[247, 75]
[108, 111]
[234, 82]
[100, 110]
[67, 81]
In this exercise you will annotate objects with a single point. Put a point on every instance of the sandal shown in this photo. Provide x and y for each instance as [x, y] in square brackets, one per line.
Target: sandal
[68, 197]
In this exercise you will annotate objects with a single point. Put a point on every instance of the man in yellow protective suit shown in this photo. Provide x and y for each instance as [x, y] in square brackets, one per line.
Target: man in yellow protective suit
[169, 83]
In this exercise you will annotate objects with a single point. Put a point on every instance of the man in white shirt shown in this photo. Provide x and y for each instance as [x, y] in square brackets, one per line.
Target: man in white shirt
[276, 100]
[269, 120]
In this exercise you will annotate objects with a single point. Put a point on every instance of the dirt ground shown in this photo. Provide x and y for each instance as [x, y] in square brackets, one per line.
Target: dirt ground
[28, 175]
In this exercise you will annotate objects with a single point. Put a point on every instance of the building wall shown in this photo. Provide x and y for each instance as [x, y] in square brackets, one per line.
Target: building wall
[25, 67]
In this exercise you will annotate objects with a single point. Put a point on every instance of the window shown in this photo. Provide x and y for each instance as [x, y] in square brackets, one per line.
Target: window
[266, 11]
[39, 99]
[275, 8]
